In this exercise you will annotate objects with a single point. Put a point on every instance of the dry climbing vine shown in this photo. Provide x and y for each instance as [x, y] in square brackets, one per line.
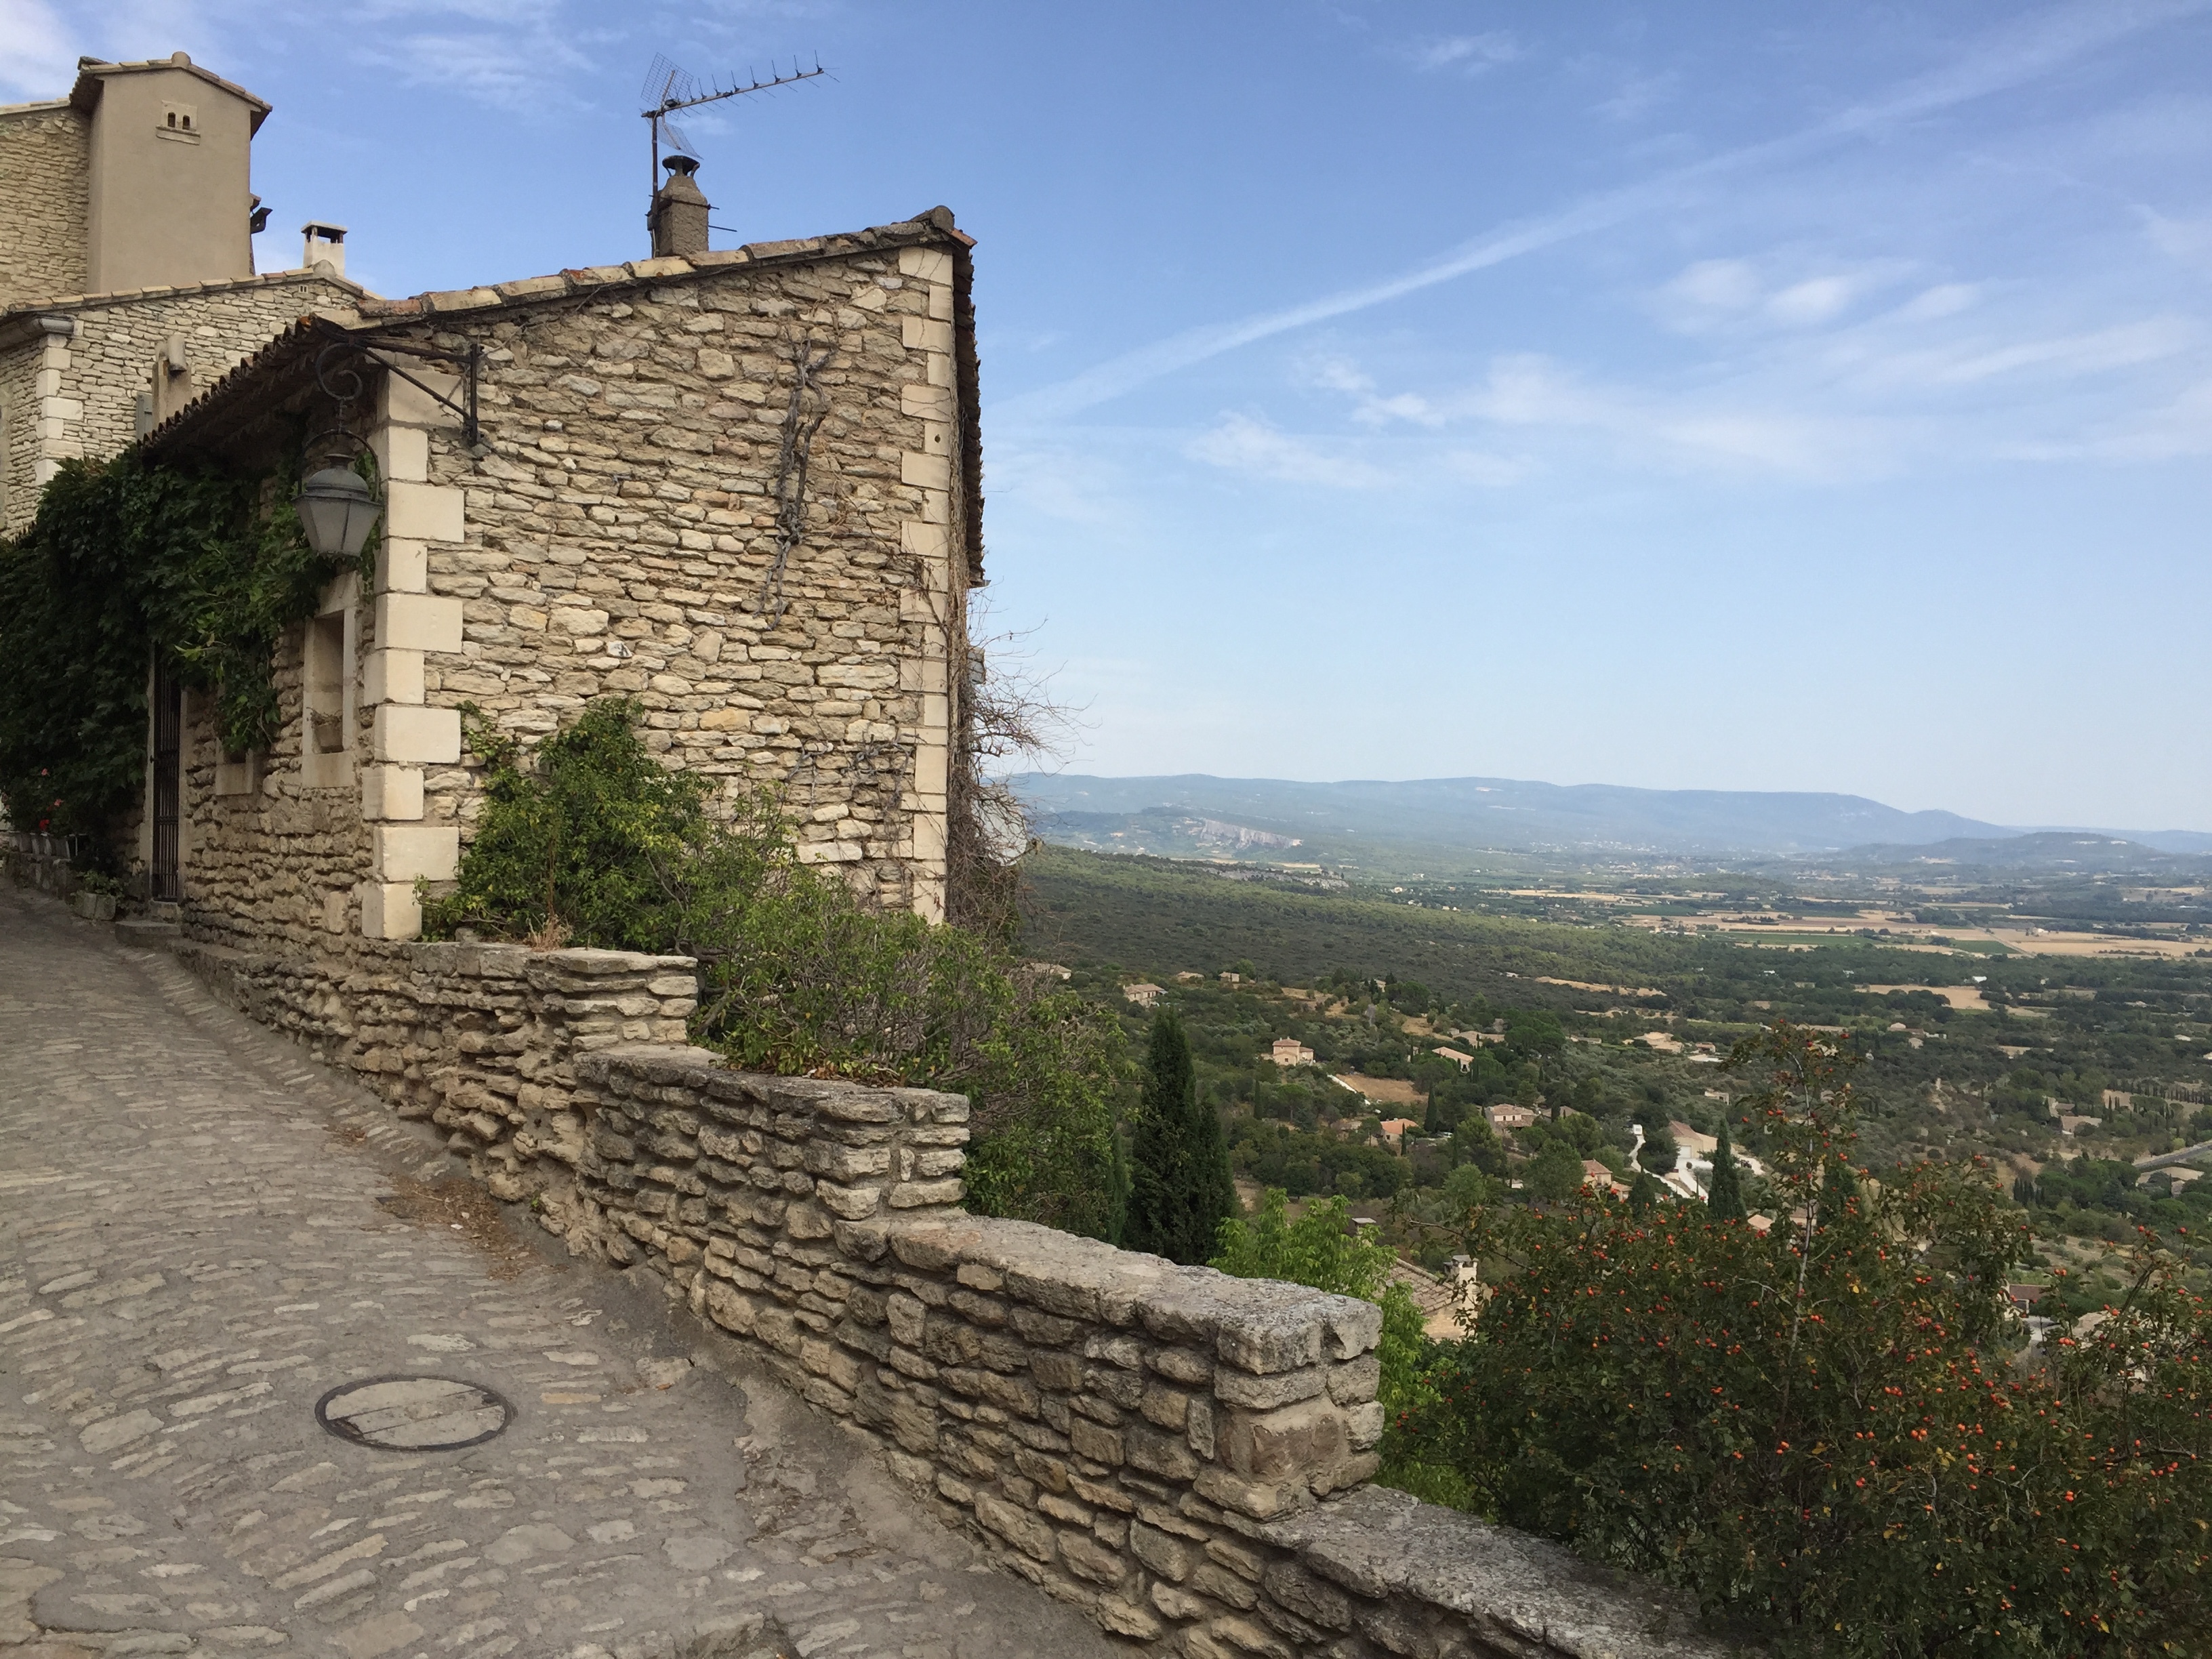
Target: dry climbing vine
[803, 414]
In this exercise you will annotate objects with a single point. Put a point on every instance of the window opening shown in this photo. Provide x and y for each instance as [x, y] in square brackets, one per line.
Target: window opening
[167, 876]
[326, 689]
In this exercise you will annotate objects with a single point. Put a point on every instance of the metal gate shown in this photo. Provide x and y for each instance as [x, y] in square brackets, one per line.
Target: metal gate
[169, 745]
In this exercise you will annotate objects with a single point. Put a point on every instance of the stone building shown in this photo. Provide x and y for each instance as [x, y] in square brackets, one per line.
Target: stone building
[126, 262]
[740, 487]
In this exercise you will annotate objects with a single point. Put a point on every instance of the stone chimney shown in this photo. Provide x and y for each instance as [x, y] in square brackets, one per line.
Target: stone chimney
[325, 246]
[677, 217]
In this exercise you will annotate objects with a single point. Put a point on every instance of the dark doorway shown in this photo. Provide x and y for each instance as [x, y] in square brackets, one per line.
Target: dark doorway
[168, 783]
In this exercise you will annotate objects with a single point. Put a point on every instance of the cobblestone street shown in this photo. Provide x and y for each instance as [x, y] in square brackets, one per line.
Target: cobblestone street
[203, 1233]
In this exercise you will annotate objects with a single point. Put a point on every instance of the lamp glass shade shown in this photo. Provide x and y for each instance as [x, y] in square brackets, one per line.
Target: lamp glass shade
[337, 509]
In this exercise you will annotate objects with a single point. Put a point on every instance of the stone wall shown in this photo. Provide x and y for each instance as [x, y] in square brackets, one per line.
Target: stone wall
[1180, 1454]
[622, 536]
[625, 526]
[46, 171]
[97, 355]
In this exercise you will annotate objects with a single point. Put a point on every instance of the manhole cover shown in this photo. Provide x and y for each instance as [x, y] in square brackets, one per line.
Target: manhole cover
[413, 1414]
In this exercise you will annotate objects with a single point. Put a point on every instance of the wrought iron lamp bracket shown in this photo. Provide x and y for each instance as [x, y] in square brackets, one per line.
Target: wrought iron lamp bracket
[373, 346]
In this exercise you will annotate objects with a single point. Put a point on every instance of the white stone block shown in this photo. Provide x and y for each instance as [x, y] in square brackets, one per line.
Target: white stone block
[407, 405]
[401, 566]
[392, 676]
[929, 768]
[390, 793]
[931, 264]
[936, 717]
[403, 852]
[932, 403]
[403, 453]
[929, 898]
[936, 438]
[929, 840]
[389, 909]
[417, 622]
[925, 472]
[411, 735]
[926, 334]
[334, 911]
[940, 301]
[429, 513]
[936, 369]
[923, 540]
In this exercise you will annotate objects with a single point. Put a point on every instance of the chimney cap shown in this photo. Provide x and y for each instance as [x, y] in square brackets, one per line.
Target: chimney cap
[681, 165]
[322, 229]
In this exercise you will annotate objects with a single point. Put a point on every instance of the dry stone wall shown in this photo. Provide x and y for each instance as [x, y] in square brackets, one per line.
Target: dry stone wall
[46, 179]
[1181, 1454]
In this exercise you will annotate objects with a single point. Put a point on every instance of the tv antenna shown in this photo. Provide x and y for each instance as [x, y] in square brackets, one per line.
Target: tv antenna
[670, 86]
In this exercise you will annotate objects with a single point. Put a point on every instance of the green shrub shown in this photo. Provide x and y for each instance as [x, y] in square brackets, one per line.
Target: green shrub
[1824, 1430]
[1320, 1249]
[589, 841]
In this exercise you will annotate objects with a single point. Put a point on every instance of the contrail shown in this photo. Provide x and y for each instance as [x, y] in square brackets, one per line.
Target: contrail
[2019, 55]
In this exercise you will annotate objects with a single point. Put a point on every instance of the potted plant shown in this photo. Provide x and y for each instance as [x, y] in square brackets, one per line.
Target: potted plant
[94, 896]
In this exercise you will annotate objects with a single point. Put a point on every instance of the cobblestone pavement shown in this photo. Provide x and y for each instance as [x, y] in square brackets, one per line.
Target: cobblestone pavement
[203, 1232]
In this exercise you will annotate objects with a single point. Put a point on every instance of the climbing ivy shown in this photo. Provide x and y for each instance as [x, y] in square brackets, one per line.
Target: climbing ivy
[204, 569]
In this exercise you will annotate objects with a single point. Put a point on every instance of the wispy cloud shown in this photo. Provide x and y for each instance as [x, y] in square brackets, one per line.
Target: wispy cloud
[515, 54]
[37, 57]
[1239, 443]
[1719, 430]
[1468, 54]
[2012, 57]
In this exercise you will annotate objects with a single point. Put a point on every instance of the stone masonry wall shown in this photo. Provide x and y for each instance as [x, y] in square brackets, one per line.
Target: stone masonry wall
[1180, 1454]
[271, 862]
[98, 357]
[45, 171]
[621, 536]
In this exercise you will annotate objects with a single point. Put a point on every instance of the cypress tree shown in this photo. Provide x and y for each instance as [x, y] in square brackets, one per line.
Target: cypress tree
[1724, 1202]
[1179, 1189]
[1644, 1192]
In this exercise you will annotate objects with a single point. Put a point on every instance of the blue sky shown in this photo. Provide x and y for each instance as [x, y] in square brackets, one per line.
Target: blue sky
[1713, 395]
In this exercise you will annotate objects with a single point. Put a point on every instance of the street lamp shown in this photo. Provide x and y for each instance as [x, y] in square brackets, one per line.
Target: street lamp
[337, 509]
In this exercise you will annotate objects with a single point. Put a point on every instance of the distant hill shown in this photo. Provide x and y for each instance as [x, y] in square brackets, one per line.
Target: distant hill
[2085, 852]
[2194, 842]
[1196, 815]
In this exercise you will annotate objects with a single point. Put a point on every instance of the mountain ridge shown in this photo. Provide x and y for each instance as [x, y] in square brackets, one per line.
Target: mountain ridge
[1501, 814]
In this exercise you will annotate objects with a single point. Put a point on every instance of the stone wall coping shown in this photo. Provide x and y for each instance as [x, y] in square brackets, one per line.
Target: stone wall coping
[1261, 1326]
[1377, 1543]
[447, 956]
[668, 1065]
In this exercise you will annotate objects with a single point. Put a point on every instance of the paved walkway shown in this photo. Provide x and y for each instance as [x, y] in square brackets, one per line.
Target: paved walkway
[203, 1232]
